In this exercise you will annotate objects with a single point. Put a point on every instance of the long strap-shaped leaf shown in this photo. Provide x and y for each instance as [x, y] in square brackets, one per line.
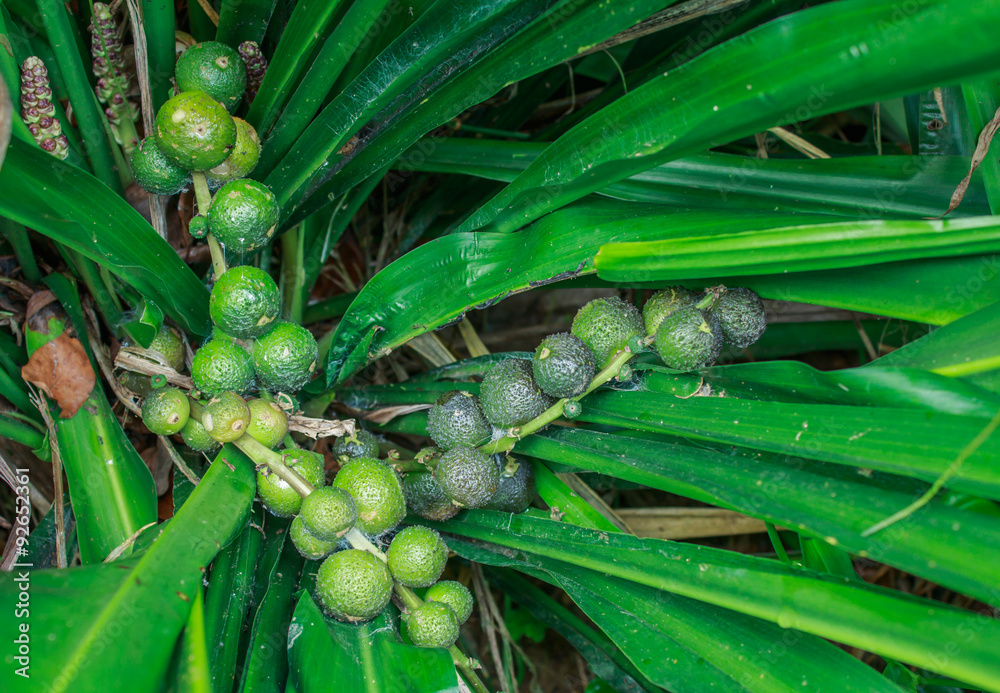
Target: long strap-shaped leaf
[814, 62]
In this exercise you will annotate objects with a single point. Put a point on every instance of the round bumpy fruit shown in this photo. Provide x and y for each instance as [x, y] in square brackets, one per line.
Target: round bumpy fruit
[741, 316]
[165, 411]
[226, 417]
[310, 546]
[278, 497]
[244, 215]
[197, 438]
[377, 493]
[155, 173]
[606, 325]
[220, 366]
[426, 498]
[455, 595]
[516, 489]
[167, 348]
[361, 444]
[286, 357]
[215, 69]
[417, 557]
[241, 161]
[328, 513]
[244, 302]
[195, 131]
[663, 303]
[468, 475]
[268, 422]
[457, 419]
[563, 365]
[353, 585]
[432, 624]
[510, 396]
[688, 338]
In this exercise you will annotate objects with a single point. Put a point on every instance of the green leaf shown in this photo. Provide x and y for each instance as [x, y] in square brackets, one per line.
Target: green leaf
[158, 26]
[243, 20]
[327, 655]
[82, 619]
[194, 674]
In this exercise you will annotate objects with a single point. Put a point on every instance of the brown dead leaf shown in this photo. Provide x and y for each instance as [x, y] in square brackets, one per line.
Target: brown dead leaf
[61, 369]
[982, 148]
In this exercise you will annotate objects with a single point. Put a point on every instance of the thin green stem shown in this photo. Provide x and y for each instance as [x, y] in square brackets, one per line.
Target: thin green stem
[204, 198]
[465, 666]
[20, 433]
[779, 548]
[262, 454]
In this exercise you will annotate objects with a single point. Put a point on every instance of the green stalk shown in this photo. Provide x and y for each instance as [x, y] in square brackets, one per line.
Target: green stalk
[293, 271]
[204, 198]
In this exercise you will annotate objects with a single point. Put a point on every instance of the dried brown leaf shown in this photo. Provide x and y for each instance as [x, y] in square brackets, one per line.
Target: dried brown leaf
[982, 147]
[62, 370]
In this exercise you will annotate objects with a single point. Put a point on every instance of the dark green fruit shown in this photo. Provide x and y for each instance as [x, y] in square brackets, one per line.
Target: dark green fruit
[426, 498]
[455, 595]
[468, 476]
[244, 302]
[606, 325]
[563, 365]
[165, 411]
[741, 316]
[220, 366]
[361, 444]
[280, 498]
[432, 624]
[377, 492]
[215, 69]
[167, 348]
[268, 422]
[197, 438]
[285, 358]
[195, 131]
[663, 303]
[457, 419]
[417, 557]
[517, 487]
[241, 161]
[510, 396]
[310, 546]
[226, 417]
[243, 216]
[688, 338]
[328, 513]
[353, 585]
[155, 173]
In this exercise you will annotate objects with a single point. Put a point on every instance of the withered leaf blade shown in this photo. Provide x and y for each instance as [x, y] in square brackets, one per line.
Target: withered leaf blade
[62, 370]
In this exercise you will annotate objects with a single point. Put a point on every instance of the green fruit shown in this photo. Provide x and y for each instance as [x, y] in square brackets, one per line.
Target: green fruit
[222, 365]
[215, 69]
[165, 411]
[243, 216]
[268, 422]
[353, 585]
[455, 595]
[226, 417]
[417, 557]
[432, 624]
[468, 476]
[195, 131]
[310, 546]
[167, 348]
[285, 358]
[457, 419]
[563, 365]
[663, 303]
[377, 492]
[741, 317]
[244, 302]
[277, 496]
[688, 338]
[516, 489]
[155, 173]
[197, 438]
[328, 513]
[426, 498]
[509, 395]
[361, 444]
[241, 161]
[198, 226]
[606, 325]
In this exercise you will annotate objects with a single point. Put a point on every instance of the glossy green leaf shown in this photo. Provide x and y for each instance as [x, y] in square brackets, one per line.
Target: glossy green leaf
[566, 503]
[82, 619]
[194, 674]
[243, 20]
[158, 26]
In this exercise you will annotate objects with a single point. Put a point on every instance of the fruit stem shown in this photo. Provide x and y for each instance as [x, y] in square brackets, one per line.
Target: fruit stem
[404, 466]
[711, 296]
[204, 198]
[360, 541]
[465, 666]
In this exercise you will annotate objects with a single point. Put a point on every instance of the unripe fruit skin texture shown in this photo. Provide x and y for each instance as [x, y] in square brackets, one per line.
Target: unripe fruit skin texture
[377, 493]
[268, 422]
[688, 338]
[563, 365]
[226, 417]
[277, 496]
[169, 347]
[353, 585]
[244, 302]
[606, 325]
[214, 68]
[243, 216]
[432, 624]
[155, 173]
[194, 131]
[361, 444]
[741, 317]
[468, 475]
[165, 411]
[509, 395]
[328, 512]
[285, 358]
[308, 545]
[426, 498]
[455, 595]
[516, 490]
[457, 419]
[417, 557]
[197, 438]
[221, 365]
[663, 303]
